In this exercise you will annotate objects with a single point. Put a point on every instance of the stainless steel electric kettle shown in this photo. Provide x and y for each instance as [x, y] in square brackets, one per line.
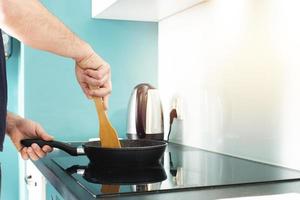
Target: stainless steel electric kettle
[145, 114]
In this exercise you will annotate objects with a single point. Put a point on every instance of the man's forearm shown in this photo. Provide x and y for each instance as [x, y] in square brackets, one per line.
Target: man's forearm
[30, 22]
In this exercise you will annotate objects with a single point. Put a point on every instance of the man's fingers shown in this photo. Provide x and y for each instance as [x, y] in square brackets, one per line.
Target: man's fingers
[93, 73]
[95, 82]
[32, 154]
[38, 151]
[35, 152]
[85, 88]
[40, 132]
[104, 80]
[47, 149]
[99, 73]
[41, 152]
[24, 153]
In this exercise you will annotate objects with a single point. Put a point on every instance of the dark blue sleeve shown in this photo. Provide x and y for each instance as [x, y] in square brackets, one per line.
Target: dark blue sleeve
[3, 93]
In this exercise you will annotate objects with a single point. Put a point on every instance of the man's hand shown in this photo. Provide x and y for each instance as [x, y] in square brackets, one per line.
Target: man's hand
[94, 77]
[19, 128]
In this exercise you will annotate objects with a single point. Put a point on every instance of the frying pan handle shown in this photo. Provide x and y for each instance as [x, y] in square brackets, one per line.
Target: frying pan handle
[55, 144]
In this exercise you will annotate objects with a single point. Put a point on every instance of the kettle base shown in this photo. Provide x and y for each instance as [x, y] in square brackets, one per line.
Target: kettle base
[157, 136]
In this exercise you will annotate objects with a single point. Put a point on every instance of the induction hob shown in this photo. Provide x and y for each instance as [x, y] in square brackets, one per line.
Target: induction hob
[181, 168]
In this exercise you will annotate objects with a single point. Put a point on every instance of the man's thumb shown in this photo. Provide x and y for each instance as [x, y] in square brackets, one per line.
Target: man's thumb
[42, 133]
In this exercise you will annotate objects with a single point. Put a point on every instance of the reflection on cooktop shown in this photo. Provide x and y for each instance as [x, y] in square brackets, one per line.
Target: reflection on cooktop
[120, 175]
[181, 168]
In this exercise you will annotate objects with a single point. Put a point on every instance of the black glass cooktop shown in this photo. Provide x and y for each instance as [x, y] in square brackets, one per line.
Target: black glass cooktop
[181, 168]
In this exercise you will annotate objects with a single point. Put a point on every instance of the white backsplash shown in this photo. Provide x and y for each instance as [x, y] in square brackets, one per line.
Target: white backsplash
[235, 64]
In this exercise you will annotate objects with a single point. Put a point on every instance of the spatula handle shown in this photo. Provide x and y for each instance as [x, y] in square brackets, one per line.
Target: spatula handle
[100, 110]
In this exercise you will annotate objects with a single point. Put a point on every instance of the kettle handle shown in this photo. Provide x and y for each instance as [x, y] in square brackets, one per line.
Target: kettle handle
[141, 109]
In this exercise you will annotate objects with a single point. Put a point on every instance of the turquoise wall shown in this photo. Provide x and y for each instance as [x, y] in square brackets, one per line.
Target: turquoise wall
[9, 157]
[52, 95]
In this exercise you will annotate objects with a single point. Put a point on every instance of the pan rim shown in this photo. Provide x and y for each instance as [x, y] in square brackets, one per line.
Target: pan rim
[160, 144]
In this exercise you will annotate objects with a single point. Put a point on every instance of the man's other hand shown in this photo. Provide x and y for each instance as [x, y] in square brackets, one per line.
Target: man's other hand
[19, 128]
[94, 77]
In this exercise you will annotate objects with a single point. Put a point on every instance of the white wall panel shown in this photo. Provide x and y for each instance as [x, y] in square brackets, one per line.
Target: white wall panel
[236, 66]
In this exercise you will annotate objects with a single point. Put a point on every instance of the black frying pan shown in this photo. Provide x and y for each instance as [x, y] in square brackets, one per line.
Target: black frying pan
[133, 152]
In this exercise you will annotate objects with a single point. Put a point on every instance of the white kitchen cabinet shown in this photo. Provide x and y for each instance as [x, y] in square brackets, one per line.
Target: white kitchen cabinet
[33, 182]
[139, 10]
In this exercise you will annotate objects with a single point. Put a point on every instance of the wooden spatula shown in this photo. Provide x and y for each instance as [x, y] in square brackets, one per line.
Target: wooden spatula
[108, 135]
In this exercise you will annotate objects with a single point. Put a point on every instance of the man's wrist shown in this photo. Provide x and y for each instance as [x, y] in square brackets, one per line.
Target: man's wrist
[86, 52]
[11, 120]
[92, 61]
